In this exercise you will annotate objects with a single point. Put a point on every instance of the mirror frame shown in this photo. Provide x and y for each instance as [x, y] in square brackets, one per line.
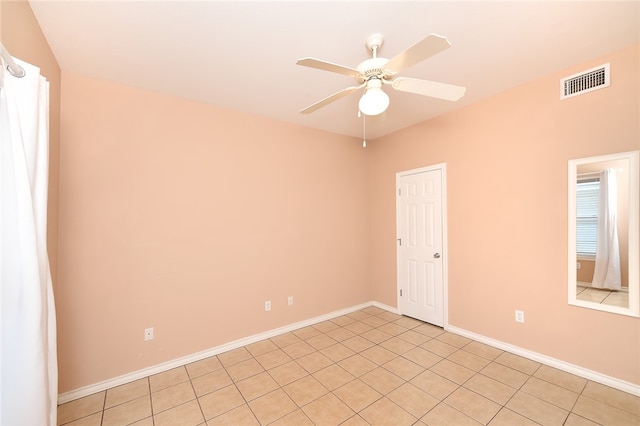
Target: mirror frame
[634, 296]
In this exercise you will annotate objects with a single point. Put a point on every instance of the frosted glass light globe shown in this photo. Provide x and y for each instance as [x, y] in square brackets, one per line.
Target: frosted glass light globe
[374, 101]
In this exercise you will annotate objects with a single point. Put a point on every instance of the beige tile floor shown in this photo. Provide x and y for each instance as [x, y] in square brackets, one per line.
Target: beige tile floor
[366, 368]
[603, 296]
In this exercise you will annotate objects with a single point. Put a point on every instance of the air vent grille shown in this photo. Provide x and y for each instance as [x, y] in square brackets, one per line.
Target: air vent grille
[585, 82]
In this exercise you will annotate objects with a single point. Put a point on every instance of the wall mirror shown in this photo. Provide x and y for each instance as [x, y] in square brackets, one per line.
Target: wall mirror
[603, 233]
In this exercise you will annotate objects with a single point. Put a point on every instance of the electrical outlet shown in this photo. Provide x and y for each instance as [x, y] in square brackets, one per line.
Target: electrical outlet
[267, 305]
[578, 265]
[519, 316]
[290, 301]
[148, 333]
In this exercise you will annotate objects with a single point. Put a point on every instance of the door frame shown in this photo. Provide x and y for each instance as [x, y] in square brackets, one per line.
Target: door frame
[445, 248]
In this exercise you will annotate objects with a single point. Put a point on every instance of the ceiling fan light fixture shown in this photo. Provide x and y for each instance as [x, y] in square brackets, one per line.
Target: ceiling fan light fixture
[372, 73]
[374, 101]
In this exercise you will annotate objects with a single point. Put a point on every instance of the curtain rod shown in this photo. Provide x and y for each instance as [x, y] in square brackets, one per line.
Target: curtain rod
[15, 69]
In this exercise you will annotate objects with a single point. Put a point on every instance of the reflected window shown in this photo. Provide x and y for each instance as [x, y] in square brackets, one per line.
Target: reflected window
[587, 201]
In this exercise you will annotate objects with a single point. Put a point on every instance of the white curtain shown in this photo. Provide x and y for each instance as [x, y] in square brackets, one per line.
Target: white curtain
[606, 273]
[28, 355]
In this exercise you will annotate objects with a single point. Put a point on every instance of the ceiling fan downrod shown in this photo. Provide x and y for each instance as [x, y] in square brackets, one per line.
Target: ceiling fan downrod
[374, 42]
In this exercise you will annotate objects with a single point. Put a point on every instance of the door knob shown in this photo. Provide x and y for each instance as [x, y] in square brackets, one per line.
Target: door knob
[436, 256]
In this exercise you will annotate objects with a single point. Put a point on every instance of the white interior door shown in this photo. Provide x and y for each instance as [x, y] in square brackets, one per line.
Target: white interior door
[420, 224]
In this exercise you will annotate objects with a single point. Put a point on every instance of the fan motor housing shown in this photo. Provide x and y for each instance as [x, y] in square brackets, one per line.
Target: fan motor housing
[373, 68]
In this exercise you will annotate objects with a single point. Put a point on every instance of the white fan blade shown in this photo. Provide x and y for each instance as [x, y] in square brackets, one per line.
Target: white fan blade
[434, 89]
[329, 99]
[425, 48]
[328, 66]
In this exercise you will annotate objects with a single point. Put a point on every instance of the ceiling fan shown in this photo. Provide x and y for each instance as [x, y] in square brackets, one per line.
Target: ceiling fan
[375, 72]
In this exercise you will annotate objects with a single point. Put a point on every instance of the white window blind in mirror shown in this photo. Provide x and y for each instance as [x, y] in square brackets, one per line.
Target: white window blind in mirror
[587, 196]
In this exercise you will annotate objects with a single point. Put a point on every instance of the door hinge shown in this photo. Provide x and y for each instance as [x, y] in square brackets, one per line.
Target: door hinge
[399, 191]
[400, 292]
[400, 241]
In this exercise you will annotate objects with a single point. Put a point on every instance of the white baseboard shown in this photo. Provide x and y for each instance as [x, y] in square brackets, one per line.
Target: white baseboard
[385, 307]
[622, 385]
[159, 368]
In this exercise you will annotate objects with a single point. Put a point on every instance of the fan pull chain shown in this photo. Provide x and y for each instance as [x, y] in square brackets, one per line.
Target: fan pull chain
[364, 128]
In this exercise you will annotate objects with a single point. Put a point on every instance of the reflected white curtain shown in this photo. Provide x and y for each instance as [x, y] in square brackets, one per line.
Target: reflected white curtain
[28, 355]
[606, 273]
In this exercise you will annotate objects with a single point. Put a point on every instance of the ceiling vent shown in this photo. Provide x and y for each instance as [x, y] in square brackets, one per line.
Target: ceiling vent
[584, 82]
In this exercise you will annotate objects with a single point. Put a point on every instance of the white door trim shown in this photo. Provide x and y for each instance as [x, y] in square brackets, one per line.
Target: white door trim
[445, 247]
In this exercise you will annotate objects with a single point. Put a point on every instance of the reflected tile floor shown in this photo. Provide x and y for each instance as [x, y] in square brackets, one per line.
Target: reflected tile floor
[368, 367]
[603, 296]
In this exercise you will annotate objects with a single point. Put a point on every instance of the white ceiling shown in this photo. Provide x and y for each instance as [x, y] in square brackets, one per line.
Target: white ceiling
[241, 55]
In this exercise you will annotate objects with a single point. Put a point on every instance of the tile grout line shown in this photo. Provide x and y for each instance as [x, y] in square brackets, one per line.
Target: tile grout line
[401, 327]
[194, 393]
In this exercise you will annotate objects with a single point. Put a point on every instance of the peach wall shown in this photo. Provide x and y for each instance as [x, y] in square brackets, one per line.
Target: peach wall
[21, 35]
[187, 218]
[508, 250]
[585, 273]
[155, 228]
